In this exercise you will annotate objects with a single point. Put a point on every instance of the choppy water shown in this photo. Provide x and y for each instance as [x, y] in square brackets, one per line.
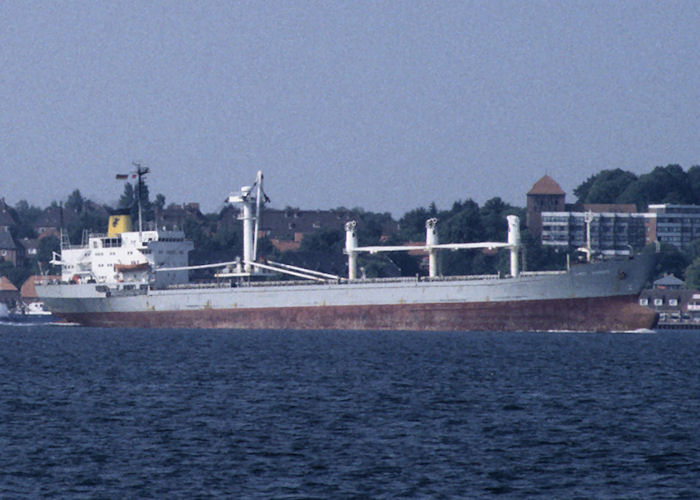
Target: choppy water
[99, 413]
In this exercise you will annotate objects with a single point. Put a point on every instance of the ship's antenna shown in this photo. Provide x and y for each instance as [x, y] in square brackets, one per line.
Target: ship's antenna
[60, 222]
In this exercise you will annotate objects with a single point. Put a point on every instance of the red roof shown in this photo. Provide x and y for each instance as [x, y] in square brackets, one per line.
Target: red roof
[546, 185]
[6, 285]
[28, 290]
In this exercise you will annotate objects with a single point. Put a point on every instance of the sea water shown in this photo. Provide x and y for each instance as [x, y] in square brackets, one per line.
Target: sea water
[115, 413]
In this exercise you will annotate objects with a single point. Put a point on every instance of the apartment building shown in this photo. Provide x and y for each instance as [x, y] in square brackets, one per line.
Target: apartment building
[678, 225]
[614, 229]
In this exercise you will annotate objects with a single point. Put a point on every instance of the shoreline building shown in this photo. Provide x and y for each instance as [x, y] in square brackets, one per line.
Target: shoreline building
[675, 303]
[678, 225]
[616, 229]
[544, 196]
[9, 295]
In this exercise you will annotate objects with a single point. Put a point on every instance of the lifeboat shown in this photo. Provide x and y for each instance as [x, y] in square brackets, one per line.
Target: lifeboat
[131, 268]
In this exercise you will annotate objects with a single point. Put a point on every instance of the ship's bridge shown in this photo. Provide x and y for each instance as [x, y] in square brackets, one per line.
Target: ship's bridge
[128, 257]
[105, 241]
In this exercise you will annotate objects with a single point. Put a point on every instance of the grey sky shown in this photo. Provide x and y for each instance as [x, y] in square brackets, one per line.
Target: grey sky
[384, 105]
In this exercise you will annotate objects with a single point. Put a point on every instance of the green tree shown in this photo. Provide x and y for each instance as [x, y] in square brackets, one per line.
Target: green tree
[47, 246]
[228, 237]
[692, 274]
[267, 250]
[670, 260]
[17, 275]
[539, 257]
[412, 224]
[27, 215]
[582, 190]
[370, 227]
[378, 266]
[493, 219]
[129, 199]
[609, 185]
[407, 264]
[94, 217]
[462, 224]
[668, 184]
[324, 241]
[694, 181]
[197, 233]
[159, 202]
[692, 251]
[75, 201]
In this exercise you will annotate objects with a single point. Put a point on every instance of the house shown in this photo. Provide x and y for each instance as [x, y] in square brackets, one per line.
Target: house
[669, 282]
[291, 224]
[9, 250]
[8, 293]
[674, 303]
[53, 219]
[8, 216]
[30, 246]
[174, 216]
[286, 228]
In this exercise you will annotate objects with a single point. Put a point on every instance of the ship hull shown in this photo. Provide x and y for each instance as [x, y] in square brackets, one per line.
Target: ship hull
[596, 297]
[598, 314]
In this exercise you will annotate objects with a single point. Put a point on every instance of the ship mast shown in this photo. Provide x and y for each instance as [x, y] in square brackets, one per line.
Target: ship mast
[588, 250]
[140, 172]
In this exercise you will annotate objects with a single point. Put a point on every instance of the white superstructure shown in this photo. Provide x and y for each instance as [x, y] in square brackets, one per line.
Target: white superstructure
[127, 256]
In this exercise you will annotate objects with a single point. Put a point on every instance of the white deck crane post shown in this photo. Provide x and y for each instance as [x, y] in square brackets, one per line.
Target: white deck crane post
[514, 244]
[251, 201]
[432, 246]
[431, 240]
[350, 246]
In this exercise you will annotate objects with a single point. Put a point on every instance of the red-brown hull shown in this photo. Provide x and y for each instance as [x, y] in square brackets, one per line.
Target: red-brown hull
[619, 313]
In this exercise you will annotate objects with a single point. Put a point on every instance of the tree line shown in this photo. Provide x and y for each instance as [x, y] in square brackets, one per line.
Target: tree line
[669, 184]
[217, 236]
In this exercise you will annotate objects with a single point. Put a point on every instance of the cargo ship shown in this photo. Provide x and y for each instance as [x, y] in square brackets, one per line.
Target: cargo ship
[140, 279]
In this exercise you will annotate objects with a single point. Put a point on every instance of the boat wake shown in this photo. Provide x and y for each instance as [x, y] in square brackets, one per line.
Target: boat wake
[638, 330]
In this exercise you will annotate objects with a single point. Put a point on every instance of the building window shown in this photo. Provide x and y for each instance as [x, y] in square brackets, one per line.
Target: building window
[672, 302]
[643, 302]
[658, 302]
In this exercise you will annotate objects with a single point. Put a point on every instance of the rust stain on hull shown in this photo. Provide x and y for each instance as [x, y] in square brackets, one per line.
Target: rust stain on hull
[620, 313]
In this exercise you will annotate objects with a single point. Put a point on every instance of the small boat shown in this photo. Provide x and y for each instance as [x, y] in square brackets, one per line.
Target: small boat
[32, 312]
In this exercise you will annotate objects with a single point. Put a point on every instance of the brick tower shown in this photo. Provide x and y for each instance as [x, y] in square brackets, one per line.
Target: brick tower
[545, 196]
